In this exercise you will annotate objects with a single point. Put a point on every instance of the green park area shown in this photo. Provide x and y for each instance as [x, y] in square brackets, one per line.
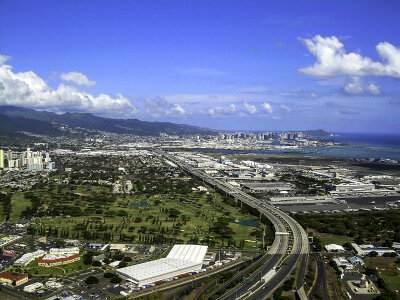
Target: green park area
[35, 270]
[388, 269]
[174, 213]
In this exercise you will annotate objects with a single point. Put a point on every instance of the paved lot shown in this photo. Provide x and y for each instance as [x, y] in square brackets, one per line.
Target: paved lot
[352, 203]
[355, 276]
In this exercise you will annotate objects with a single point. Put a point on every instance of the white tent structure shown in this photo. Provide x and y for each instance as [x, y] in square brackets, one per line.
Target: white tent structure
[180, 260]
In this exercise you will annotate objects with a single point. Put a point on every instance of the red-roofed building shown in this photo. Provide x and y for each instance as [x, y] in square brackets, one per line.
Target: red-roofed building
[56, 260]
[9, 278]
[9, 253]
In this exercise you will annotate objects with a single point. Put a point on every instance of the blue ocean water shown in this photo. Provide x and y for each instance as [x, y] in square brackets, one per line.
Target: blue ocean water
[366, 145]
[357, 145]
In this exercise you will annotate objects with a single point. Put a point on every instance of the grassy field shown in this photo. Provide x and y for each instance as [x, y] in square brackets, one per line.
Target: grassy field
[388, 269]
[327, 238]
[334, 239]
[197, 212]
[19, 204]
[34, 269]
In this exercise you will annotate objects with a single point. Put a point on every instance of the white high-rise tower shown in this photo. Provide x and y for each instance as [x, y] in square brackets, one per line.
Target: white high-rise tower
[1, 159]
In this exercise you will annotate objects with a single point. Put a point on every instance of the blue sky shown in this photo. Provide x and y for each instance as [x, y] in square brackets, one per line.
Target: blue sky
[246, 65]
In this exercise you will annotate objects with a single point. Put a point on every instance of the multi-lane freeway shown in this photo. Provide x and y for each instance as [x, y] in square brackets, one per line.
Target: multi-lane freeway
[289, 248]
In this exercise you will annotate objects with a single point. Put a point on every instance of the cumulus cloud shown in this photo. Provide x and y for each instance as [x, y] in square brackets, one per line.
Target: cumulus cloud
[27, 89]
[160, 107]
[332, 59]
[358, 87]
[251, 109]
[223, 110]
[267, 107]
[373, 89]
[4, 58]
[77, 78]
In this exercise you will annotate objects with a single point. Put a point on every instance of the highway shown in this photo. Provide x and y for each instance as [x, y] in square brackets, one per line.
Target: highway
[320, 284]
[289, 247]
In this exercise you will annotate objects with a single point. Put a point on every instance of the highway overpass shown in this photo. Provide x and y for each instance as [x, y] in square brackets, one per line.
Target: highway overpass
[289, 248]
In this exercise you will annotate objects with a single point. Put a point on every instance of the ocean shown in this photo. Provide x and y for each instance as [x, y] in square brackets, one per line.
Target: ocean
[357, 145]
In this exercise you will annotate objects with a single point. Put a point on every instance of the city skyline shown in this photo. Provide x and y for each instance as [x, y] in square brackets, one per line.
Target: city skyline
[242, 66]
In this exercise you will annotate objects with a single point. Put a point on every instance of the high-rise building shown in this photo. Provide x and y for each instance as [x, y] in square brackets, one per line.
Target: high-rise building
[1, 159]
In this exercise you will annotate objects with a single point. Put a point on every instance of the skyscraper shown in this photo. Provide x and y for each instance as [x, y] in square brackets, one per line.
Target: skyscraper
[1, 159]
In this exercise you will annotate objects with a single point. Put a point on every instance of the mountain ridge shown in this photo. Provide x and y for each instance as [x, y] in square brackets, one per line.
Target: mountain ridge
[93, 122]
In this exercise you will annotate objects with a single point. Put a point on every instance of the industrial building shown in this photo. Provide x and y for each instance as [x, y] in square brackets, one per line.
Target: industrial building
[350, 187]
[31, 288]
[9, 278]
[64, 251]
[262, 187]
[51, 260]
[180, 260]
[27, 258]
[367, 249]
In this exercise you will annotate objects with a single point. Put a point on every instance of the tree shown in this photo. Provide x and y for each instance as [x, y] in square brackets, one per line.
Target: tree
[288, 285]
[106, 260]
[88, 260]
[371, 271]
[373, 254]
[348, 246]
[387, 243]
[118, 256]
[92, 280]
[116, 279]
[109, 275]
[96, 263]
[359, 240]
[122, 264]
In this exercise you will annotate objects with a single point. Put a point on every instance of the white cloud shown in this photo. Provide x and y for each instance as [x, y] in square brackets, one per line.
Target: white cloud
[373, 89]
[160, 107]
[285, 109]
[332, 59]
[250, 108]
[77, 78]
[4, 58]
[201, 71]
[27, 89]
[176, 108]
[358, 87]
[223, 110]
[267, 107]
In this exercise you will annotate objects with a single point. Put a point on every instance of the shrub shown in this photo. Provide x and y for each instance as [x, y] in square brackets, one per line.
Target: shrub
[116, 279]
[92, 280]
[109, 275]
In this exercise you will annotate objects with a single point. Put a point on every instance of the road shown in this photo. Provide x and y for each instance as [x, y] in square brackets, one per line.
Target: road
[320, 283]
[290, 244]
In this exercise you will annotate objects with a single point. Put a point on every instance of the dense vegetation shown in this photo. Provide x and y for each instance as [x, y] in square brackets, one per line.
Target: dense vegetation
[164, 206]
[361, 226]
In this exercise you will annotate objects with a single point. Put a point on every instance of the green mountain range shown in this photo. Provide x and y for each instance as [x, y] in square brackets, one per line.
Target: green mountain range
[14, 118]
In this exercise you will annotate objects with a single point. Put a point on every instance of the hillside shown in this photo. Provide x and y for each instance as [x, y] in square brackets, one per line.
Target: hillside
[38, 119]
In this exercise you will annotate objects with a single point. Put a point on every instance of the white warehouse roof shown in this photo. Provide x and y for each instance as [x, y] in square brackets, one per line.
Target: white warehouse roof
[334, 247]
[192, 253]
[181, 259]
